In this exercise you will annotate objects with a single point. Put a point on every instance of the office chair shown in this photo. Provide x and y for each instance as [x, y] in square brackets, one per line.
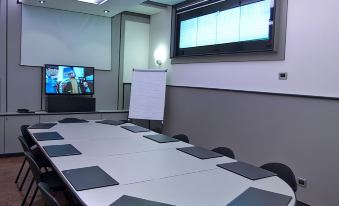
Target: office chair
[29, 143]
[181, 137]
[72, 120]
[25, 134]
[40, 159]
[284, 172]
[157, 130]
[46, 193]
[224, 151]
[49, 177]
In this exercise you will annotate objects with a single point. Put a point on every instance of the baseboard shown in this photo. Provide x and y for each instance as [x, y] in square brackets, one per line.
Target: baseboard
[19, 154]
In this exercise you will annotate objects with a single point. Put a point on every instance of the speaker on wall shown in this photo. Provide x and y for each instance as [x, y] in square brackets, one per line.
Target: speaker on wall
[70, 104]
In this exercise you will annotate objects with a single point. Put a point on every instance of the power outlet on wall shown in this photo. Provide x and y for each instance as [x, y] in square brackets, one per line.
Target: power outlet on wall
[302, 182]
[283, 76]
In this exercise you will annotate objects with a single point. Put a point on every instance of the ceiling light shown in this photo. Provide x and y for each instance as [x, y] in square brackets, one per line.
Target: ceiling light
[94, 1]
[42, 2]
[106, 11]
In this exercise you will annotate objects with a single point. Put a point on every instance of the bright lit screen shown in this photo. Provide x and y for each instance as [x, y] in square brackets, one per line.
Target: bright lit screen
[246, 23]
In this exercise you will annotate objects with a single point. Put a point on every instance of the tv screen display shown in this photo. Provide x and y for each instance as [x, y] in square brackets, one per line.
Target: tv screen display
[69, 80]
[233, 26]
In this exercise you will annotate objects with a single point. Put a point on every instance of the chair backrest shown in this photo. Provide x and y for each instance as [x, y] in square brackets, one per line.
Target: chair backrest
[284, 172]
[157, 130]
[181, 137]
[33, 166]
[25, 134]
[45, 191]
[224, 151]
[24, 144]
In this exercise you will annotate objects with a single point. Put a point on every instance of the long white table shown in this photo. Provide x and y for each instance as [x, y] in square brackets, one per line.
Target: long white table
[149, 170]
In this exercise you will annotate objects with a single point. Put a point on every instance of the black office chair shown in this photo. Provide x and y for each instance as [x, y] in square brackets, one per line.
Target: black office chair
[49, 177]
[25, 134]
[72, 120]
[40, 159]
[284, 172]
[181, 137]
[157, 130]
[224, 151]
[30, 144]
[301, 204]
[46, 193]
[32, 147]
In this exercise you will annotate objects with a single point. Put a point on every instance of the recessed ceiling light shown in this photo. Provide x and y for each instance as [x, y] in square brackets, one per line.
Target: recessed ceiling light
[42, 2]
[106, 11]
[94, 1]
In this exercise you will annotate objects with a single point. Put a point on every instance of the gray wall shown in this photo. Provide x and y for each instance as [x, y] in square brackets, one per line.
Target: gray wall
[106, 82]
[260, 128]
[3, 19]
[24, 83]
[126, 16]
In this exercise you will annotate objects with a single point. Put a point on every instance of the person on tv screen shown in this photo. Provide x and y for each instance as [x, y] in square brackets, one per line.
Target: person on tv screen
[86, 88]
[51, 80]
[70, 85]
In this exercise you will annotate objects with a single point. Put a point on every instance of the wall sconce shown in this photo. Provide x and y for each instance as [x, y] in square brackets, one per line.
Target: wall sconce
[160, 56]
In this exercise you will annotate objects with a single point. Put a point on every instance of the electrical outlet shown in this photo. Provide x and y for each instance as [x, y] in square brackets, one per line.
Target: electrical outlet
[302, 182]
[283, 76]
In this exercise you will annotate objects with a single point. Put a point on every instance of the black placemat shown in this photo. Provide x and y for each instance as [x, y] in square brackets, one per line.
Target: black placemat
[89, 178]
[110, 122]
[42, 126]
[257, 197]
[45, 136]
[160, 138]
[247, 170]
[72, 120]
[61, 150]
[135, 129]
[199, 152]
[126, 200]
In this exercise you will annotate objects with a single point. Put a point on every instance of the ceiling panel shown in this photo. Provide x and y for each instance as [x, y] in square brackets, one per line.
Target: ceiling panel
[114, 6]
[142, 9]
[169, 2]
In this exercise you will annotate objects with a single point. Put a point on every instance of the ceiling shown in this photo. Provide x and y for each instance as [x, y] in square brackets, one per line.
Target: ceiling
[113, 6]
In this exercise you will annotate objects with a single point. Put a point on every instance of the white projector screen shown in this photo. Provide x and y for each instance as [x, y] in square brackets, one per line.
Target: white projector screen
[52, 36]
[147, 94]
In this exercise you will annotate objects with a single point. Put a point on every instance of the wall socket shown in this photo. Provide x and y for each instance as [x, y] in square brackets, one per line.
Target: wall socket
[302, 182]
[283, 76]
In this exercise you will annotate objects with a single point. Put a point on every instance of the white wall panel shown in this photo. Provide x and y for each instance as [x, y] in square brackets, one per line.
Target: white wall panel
[136, 47]
[311, 57]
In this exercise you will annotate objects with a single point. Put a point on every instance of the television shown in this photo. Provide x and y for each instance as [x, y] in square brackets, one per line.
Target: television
[224, 27]
[68, 80]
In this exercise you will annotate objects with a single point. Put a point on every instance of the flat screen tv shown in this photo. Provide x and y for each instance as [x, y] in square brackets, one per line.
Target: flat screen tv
[224, 27]
[68, 80]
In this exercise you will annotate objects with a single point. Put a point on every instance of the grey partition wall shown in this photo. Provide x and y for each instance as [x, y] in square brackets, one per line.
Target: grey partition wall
[301, 132]
[23, 83]
[3, 54]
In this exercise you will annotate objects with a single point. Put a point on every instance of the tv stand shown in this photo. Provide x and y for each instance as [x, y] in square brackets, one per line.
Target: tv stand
[70, 104]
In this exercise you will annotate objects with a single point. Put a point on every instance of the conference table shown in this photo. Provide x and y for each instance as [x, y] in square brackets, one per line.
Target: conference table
[147, 169]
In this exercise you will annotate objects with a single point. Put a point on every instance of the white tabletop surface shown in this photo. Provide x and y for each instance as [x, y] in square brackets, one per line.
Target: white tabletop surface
[150, 170]
[216, 187]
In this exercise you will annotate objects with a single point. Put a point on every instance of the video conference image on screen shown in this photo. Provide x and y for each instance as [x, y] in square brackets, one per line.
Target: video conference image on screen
[69, 80]
[245, 23]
